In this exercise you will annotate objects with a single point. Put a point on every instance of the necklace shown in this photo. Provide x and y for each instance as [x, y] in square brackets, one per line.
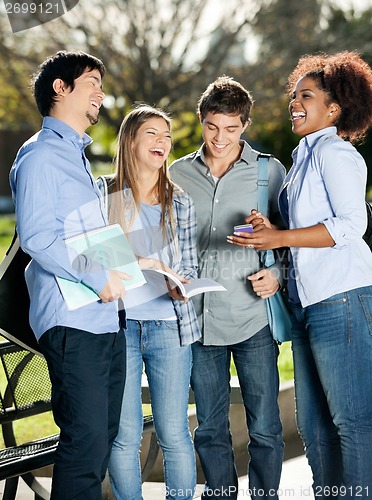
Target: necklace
[153, 199]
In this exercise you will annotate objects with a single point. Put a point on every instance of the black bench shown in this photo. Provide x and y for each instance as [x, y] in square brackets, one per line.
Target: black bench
[25, 391]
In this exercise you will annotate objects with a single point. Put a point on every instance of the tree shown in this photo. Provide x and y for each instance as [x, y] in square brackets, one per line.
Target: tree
[288, 29]
[163, 52]
[348, 30]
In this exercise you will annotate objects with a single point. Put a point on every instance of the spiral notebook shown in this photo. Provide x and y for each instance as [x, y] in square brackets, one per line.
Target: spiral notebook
[108, 246]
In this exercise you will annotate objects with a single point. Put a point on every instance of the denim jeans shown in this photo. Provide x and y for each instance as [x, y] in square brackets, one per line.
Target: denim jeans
[332, 349]
[156, 344]
[87, 372]
[256, 364]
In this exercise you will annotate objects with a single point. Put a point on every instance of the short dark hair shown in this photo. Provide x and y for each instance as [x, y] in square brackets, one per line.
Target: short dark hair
[67, 66]
[226, 96]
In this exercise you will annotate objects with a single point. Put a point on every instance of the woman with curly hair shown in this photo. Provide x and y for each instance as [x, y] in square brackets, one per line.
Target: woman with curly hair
[330, 274]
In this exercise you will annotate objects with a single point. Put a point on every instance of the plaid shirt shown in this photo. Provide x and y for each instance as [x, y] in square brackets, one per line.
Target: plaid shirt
[185, 261]
[184, 256]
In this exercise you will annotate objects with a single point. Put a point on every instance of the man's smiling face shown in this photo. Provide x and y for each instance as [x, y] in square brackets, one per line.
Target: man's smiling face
[85, 99]
[221, 134]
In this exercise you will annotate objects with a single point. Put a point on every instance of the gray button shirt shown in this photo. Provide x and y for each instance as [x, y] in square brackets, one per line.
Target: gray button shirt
[233, 316]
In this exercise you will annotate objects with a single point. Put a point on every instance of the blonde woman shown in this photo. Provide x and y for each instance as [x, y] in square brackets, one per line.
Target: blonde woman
[160, 222]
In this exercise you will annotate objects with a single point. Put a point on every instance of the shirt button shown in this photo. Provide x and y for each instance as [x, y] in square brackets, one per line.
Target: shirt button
[217, 201]
[214, 229]
[207, 310]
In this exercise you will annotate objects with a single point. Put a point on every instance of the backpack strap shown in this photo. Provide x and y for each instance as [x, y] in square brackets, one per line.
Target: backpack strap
[103, 179]
[263, 184]
[108, 184]
[267, 256]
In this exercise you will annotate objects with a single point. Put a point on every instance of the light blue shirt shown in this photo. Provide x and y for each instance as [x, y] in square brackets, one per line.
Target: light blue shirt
[327, 185]
[56, 197]
[147, 239]
[182, 253]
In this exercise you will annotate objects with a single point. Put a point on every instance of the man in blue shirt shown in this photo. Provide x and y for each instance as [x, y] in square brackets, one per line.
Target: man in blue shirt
[56, 197]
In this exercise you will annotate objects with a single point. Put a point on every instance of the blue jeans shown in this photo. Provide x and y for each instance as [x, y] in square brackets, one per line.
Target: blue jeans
[156, 344]
[332, 349]
[256, 364]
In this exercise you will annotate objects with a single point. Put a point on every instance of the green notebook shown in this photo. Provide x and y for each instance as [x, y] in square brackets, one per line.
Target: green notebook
[108, 246]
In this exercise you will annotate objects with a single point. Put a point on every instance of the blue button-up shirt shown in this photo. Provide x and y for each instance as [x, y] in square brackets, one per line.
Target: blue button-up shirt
[56, 197]
[327, 185]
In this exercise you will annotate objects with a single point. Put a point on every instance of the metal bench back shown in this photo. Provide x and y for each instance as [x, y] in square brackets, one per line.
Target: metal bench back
[25, 386]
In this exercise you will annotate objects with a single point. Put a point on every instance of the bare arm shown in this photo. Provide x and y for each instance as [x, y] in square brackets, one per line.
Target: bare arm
[264, 238]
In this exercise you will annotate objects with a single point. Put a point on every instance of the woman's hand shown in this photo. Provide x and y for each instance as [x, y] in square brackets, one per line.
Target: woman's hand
[265, 235]
[262, 238]
[175, 292]
[264, 283]
[149, 263]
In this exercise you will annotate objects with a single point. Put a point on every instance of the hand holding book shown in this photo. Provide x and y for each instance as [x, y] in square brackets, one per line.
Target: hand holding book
[149, 264]
[180, 288]
[114, 288]
[109, 247]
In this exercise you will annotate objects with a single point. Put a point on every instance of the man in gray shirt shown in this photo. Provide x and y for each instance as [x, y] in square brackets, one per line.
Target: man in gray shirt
[221, 177]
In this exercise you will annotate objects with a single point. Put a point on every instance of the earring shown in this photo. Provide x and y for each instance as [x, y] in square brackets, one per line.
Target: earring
[331, 113]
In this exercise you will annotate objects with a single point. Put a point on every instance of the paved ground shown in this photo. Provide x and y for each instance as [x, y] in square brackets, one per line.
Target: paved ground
[295, 485]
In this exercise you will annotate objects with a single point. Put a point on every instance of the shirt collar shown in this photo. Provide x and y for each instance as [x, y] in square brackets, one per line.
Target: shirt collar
[311, 139]
[66, 132]
[246, 152]
[245, 155]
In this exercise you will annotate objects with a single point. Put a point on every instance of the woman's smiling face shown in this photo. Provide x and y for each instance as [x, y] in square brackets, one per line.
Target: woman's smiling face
[309, 108]
[152, 143]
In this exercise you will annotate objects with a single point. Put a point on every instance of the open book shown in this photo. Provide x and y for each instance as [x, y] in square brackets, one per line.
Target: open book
[107, 246]
[197, 285]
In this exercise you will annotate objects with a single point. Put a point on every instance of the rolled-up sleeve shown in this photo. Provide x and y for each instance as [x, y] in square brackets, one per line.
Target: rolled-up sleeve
[344, 175]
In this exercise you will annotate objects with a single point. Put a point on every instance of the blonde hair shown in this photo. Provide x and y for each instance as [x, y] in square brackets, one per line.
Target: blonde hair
[126, 172]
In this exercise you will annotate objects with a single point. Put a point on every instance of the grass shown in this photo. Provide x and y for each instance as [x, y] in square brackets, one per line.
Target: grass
[43, 425]
[6, 232]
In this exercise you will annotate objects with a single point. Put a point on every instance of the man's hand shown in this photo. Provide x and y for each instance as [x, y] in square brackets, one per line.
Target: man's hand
[264, 283]
[114, 288]
[257, 219]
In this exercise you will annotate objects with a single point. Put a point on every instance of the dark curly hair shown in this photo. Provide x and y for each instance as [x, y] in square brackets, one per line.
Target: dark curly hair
[347, 80]
[225, 96]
